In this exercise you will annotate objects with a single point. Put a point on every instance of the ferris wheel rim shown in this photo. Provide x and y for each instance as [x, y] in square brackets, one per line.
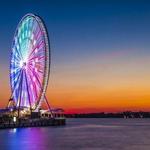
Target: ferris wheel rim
[47, 56]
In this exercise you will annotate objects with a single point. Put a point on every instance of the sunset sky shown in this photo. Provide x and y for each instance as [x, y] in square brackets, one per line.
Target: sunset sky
[100, 52]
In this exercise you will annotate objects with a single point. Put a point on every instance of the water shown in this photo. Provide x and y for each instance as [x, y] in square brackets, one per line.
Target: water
[84, 134]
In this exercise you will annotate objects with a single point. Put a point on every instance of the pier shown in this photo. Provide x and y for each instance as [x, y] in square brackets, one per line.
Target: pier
[22, 123]
[35, 119]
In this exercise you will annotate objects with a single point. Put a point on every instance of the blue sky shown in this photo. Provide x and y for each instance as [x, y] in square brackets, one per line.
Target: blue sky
[79, 27]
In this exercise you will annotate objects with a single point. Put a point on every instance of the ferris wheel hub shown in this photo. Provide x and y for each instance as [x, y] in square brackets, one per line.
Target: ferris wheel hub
[23, 64]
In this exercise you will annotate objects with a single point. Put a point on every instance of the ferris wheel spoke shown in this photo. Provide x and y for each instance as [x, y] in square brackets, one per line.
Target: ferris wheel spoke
[37, 61]
[38, 65]
[29, 30]
[36, 51]
[37, 33]
[20, 90]
[36, 57]
[40, 44]
[14, 63]
[34, 86]
[35, 75]
[35, 27]
[27, 87]
[15, 66]
[14, 69]
[20, 57]
[32, 27]
[32, 52]
[38, 70]
[37, 78]
[15, 72]
[18, 49]
[16, 57]
[38, 85]
[16, 83]
[17, 89]
[15, 76]
[32, 73]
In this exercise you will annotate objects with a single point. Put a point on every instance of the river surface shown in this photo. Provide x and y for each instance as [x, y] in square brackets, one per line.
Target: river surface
[84, 134]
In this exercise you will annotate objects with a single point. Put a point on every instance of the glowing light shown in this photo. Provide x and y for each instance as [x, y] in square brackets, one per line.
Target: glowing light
[21, 64]
[34, 79]
[36, 60]
[36, 50]
[32, 37]
[34, 42]
[20, 39]
[14, 119]
[22, 35]
[36, 70]
[31, 86]
[18, 47]
[33, 63]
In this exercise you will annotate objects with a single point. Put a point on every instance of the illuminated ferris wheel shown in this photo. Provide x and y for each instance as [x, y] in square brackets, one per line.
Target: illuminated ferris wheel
[30, 63]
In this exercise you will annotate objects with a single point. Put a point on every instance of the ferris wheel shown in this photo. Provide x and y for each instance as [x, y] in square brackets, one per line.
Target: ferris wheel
[30, 63]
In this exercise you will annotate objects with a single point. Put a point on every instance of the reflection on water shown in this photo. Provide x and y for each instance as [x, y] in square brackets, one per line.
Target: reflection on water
[101, 134]
[26, 139]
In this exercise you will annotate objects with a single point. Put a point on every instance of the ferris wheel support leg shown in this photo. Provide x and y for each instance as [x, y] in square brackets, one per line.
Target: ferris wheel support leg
[9, 103]
[49, 106]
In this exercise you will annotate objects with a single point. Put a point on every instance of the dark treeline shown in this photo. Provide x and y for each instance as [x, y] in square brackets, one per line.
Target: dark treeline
[127, 114]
